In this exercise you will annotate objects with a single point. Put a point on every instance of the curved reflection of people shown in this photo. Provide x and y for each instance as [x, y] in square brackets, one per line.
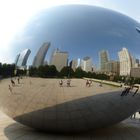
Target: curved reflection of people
[68, 82]
[100, 84]
[60, 83]
[18, 80]
[10, 89]
[87, 83]
[12, 82]
[90, 83]
[136, 91]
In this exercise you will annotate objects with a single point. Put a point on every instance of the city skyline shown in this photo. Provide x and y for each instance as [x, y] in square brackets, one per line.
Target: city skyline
[59, 59]
[84, 36]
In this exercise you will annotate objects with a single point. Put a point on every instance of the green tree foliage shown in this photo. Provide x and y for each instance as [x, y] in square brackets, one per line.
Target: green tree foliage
[43, 71]
[33, 71]
[79, 73]
[66, 72]
[7, 70]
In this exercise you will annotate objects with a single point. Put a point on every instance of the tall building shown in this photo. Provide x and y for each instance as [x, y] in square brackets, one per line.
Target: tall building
[125, 62]
[40, 56]
[22, 58]
[86, 64]
[74, 64]
[137, 63]
[59, 59]
[104, 58]
[16, 60]
[112, 67]
[135, 72]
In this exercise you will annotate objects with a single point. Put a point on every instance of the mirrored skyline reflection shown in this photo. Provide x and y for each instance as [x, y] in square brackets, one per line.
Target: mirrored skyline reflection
[81, 31]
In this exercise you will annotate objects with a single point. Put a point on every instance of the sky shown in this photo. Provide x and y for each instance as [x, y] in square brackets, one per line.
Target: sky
[16, 13]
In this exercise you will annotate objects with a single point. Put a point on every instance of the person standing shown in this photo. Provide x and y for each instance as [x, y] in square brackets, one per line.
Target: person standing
[18, 79]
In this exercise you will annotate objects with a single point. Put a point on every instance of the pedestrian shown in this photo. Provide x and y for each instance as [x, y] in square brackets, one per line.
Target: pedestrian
[100, 84]
[137, 88]
[87, 83]
[18, 79]
[90, 83]
[68, 82]
[10, 89]
[12, 82]
[60, 83]
[126, 91]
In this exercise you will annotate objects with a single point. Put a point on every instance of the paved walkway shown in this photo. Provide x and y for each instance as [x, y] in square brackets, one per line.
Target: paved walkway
[127, 130]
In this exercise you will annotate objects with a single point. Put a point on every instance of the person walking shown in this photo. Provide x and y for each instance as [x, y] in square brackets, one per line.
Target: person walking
[87, 83]
[60, 83]
[12, 82]
[18, 79]
[137, 88]
[68, 83]
[10, 89]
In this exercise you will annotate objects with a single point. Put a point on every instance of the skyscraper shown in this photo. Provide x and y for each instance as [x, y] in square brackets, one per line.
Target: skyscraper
[22, 58]
[16, 60]
[104, 58]
[86, 64]
[40, 56]
[125, 62]
[74, 64]
[59, 59]
[112, 67]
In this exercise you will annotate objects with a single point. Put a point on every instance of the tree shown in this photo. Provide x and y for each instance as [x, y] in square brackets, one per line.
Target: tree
[79, 73]
[51, 71]
[66, 71]
[33, 71]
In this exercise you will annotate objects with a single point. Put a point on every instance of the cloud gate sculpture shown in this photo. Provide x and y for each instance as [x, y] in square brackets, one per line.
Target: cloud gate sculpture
[80, 31]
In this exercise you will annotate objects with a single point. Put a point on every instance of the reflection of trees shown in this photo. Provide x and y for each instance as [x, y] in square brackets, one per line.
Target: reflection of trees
[66, 71]
[43, 71]
[47, 71]
[7, 70]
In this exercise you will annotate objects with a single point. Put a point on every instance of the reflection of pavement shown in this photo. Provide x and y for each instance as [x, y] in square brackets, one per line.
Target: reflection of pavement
[127, 130]
[37, 93]
[43, 104]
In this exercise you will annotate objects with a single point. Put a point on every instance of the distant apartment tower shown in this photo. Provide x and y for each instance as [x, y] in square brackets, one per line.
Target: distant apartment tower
[59, 59]
[135, 62]
[74, 64]
[135, 72]
[22, 58]
[112, 67]
[16, 60]
[104, 58]
[86, 64]
[125, 62]
[40, 56]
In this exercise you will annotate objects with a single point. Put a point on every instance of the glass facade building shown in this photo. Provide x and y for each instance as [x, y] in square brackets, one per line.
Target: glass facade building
[40, 56]
[22, 58]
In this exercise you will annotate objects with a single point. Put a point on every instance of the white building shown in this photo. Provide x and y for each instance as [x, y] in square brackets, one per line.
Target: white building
[125, 62]
[22, 58]
[86, 64]
[59, 59]
[40, 56]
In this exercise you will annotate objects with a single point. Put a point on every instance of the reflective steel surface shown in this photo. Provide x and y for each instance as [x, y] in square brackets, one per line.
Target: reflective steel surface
[81, 31]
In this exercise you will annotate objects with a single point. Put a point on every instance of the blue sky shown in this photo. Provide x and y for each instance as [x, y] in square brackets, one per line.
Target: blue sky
[14, 17]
